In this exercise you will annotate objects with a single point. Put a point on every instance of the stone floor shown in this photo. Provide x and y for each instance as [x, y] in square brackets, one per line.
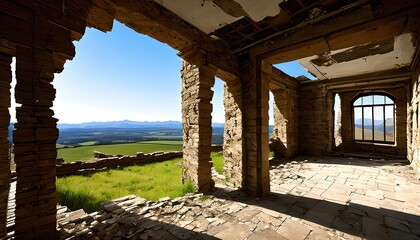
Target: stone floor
[312, 198]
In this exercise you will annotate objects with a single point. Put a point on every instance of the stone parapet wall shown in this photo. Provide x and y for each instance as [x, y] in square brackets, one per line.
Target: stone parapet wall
[112, 161]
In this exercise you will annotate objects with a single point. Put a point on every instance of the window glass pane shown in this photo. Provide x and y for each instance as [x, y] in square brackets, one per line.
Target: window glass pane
[367, 120]
[358, 123]
[388, 100]
[378, 123]
[378, 99]
[389, 123]
[368, 100]
[358, 102]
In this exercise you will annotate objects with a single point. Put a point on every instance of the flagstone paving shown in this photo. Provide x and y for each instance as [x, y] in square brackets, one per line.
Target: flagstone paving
[312, 198]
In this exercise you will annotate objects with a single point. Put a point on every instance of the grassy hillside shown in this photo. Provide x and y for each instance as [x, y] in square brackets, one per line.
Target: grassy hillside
[368, 135]
[150, 181]
[86, 152]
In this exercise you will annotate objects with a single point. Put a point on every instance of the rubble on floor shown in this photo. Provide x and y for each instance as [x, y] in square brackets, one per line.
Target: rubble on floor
[325, 198]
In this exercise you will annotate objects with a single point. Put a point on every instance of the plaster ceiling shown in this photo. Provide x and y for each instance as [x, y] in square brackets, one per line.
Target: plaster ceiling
[377, 56]
[210, 15]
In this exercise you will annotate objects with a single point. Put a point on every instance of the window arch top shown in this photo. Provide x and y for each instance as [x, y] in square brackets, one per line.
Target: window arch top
[373, 99]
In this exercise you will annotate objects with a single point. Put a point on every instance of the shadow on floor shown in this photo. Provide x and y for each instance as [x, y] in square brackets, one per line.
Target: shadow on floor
[354, 219]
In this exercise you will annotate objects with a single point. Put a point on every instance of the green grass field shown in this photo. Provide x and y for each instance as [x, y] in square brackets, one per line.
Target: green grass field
[90, 143]
[217, 159]
[150, 181]
[85, 153]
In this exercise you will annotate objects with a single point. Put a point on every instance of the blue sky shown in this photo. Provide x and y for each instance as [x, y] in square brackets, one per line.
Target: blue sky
[123, 75]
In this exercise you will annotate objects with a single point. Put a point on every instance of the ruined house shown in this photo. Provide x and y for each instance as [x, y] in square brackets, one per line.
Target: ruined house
[366, 53]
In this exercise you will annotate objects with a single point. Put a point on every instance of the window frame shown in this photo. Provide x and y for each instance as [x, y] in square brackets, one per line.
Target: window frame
[372, 107]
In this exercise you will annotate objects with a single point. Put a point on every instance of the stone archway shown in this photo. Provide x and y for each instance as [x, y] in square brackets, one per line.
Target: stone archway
[43, 40]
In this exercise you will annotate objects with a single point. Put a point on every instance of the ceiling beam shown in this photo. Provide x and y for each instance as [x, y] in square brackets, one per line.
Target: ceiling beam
[368, 83]
[371, 87]
[354, 28]
[395, 75]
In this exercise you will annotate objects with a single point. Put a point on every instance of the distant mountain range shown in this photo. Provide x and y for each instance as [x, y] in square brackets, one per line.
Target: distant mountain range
[124, 124]
[121, 124]
[378, 124]
[120, 131]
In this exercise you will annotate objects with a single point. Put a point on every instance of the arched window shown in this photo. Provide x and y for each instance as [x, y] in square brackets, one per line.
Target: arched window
[374, 118]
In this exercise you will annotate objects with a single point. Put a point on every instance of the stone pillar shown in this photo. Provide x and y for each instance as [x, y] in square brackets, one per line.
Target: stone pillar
[232, 139]
[35, 151]
[5, 80]
[197, 82]
[255, 85]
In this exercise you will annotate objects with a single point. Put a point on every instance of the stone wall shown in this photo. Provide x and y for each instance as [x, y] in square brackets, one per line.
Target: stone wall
[197, 82]
[232, 141]
[414, 122]
[314, 120]
[110, 161]
[400, 146]
[284, 139]
[255, 85]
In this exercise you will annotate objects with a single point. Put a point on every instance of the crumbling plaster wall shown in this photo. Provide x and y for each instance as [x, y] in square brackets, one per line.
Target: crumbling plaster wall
[400, 146]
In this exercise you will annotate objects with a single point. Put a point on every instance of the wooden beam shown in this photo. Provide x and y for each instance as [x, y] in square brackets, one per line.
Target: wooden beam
[298, 51]
[354, 28]
[370, 87]
[278, 37]
[367, 83]
[372, 31]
